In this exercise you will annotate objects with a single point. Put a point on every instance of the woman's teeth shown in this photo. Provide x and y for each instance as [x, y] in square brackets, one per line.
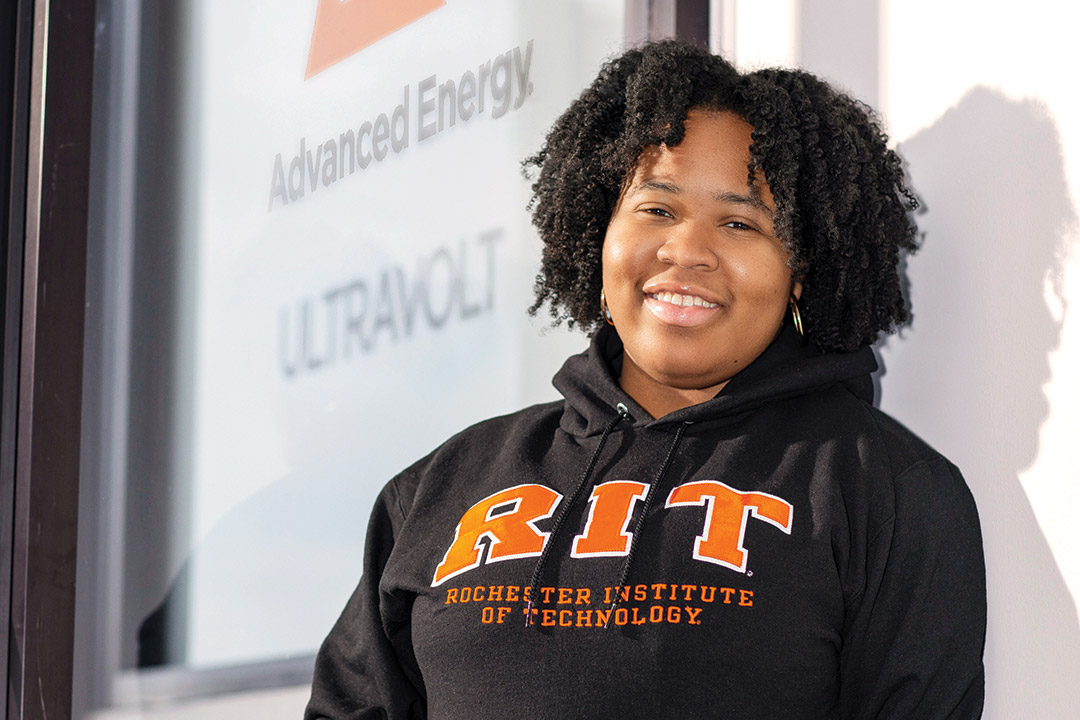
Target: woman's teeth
[683, 300]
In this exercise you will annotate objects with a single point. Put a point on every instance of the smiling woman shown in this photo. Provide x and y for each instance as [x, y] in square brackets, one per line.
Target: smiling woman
[715, 521]
[695, 280]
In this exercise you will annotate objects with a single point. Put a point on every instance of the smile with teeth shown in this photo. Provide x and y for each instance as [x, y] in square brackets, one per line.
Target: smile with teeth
[682, 300]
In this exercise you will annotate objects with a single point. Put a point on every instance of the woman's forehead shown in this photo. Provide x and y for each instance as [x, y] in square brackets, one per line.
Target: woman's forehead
[715, 149]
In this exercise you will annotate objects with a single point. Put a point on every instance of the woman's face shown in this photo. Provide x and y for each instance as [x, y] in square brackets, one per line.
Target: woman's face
[696, 282]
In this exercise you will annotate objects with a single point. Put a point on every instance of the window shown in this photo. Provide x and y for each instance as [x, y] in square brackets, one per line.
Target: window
[310, 263]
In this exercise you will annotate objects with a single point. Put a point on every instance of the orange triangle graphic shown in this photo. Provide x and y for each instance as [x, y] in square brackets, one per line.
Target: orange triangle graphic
[345, 27]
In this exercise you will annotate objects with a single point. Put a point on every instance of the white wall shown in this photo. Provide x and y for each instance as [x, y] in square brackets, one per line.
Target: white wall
[981, 98]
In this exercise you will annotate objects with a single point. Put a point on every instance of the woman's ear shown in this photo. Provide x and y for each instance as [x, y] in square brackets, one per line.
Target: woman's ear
[796, 289]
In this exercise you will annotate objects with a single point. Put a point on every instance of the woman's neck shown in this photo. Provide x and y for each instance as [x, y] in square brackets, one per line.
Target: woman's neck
[659, 399]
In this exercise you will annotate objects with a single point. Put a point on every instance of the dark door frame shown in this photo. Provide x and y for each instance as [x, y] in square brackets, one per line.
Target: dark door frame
[659, 19]
[48, 170]
[15, 26]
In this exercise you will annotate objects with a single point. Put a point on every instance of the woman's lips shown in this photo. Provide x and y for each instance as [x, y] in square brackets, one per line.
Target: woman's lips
[680, 309]
[682, 299]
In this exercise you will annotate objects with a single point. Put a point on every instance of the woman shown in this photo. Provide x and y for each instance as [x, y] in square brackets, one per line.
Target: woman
[715, 521]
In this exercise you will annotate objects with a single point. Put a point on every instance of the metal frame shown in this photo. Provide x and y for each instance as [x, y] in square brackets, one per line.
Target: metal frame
[659, 19]
[109, 281]
[42, 612]
[15, 31]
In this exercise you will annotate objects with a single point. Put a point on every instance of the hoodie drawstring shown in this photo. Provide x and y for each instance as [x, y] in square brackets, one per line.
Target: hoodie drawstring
[534, 584]
[641, 519]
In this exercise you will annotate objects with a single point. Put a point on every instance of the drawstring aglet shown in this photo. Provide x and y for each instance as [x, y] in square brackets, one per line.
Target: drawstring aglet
[528, 613]
[614, 604]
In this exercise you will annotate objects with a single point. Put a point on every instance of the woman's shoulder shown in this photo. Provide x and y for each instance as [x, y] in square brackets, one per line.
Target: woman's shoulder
[912, 477]
[842, 411]
[895, 460]
[906, 450]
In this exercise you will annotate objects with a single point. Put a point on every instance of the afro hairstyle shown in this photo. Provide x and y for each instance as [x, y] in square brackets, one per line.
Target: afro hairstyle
[843, 209]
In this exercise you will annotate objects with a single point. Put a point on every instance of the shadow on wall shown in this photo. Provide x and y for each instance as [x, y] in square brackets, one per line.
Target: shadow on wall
[968, 374]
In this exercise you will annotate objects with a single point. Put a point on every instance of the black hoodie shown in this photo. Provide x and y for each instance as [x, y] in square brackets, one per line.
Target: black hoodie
[801, 555]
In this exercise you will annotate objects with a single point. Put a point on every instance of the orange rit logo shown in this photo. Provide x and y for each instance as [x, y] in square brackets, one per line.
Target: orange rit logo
[505, 523]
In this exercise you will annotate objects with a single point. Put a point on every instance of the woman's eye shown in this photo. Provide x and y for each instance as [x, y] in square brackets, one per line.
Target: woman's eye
[738, 225]
[659, 212]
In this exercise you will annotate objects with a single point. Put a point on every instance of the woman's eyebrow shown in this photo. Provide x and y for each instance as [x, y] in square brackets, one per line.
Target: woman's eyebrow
[748, 200]
[727, 196]
[656, 185]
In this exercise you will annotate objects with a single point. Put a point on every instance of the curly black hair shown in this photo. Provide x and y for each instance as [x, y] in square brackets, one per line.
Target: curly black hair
[843, 208]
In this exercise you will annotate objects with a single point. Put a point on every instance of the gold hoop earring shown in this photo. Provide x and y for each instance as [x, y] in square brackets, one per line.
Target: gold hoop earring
[796, 318]
[604, 310]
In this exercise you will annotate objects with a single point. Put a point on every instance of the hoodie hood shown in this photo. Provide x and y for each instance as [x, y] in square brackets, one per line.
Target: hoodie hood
[589, 382]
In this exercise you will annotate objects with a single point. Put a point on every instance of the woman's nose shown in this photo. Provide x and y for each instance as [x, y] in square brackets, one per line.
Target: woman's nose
[689, 246]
